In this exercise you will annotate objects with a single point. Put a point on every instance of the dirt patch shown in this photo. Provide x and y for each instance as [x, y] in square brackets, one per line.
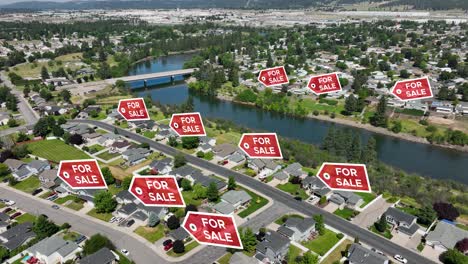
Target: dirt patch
[120, 173]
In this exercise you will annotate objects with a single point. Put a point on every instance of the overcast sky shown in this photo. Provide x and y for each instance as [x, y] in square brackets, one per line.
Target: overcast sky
[13, 1]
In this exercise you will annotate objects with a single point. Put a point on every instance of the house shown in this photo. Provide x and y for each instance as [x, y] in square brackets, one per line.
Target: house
[205, 181]
[241, 258]
[108, 139]
[273, 248]
[316, 187]
[297, 229]
[281, 176]
[54, 250]
[163, 134]
[236, 158]
[4, 225]
[346, 199]
[179, 234]
[134, 156]
[357, 254]
[91, 138]
[231, 201]
[207, 140]
[295, 170]
[49, 179]
[4, 117]
[126, 210]
[19, 169]
[160, 212]
[124, 197]
[143, 125]
[38, 166]
[417, 105]
[263, 167]
[184, 172]
[161, 166]
[119, 146]
[223, 151]
[102, 256]
[205, 148]
[445, 236]
[17, 235]
[404, 222]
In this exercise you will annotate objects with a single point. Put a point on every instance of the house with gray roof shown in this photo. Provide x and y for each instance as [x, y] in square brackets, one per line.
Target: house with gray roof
[207, 140]
[198, 177]
[281, 176]
[358, 254]
[134, 156]
[295, 170]
[316, 187]
[17, 235]
[160, 212]
[231, 201]
[124, 197]
[236, 158]
[184, 171]
[126, 210]
[224, 208]
[263, 167]
[273, 248]
[405, 223]
[179, 234]
[297, 229]
[241, 258]
[49, 179]
[38, 166]
[445, 236]
[19, 169]
[346, 199]
[108, 139]
[102, 256]
[4, 117]
[223, 151]
[163, 166]
[54, 250]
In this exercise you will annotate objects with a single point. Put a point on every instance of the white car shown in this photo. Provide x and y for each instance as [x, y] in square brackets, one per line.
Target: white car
[9, 202]
[400, 259]
[124, 251]
[113, 219]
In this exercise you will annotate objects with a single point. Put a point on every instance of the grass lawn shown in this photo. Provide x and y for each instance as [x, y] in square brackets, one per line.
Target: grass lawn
[96, 147]
[113, 189]
[385, 234]
[152, 234]
[102, 132]
[283, 218]
[256, 203]
[101, 216]
[336, 254]
[28, 185]
[209, 155]
[107, 155]
[322, 244]
[72, 204]
[367, 197]
[70, 236]
[225, 259]
[75, 206]
[462, 226]
[188, 247]
[293, 189]
[62, 200]
[188, 198]
[45, 195]
[346, 213]
[25, 218]
[293, 253]
[149, 134]
[123, 259]
[56, 150]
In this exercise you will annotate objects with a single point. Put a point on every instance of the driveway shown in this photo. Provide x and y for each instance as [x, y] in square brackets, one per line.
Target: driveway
[372, 213]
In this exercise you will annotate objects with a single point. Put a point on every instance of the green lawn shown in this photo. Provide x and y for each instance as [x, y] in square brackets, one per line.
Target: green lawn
[188, 247]
[346, 213]
[225, 259]
[28, 185]
[123, 259]
[114, 190]
[337, 253]
[106, 155]
[102, 216]
[322, 244]
[152, 234]
[74, 205]
[25, 218]
[149, 134]
[70, 236]
[293, 189]
[293, 253]
[256, 203]
[56, 150]
[209, 155]
[462, 226]
[45, 195]
[96, 147]
[385, 234]
[62, 200]
[367, 197]
[188, 198]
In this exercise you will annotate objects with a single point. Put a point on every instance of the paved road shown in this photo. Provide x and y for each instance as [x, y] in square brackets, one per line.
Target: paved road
[278, 196]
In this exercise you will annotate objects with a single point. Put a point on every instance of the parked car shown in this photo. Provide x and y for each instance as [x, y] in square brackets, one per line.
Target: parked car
[13, 216]
[400, 259]
[124, 251]
[130, 223]
[8, 209]
[167, 242]
[298, 198]
[168, 246]
[377, 251]
[36, 191]
[9, 202]
[113, 219]
[80, 239]
[56, 207]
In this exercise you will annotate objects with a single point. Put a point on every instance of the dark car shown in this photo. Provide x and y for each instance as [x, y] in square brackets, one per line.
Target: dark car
[80, 239]
[298, 198]
[7, 210]
[13, 216]
[168, 246]
[130, 223]
[36, 191]
[167, 242]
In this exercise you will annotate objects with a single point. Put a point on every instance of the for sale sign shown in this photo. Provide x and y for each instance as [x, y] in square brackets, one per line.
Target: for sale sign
[323, 84]
[133, 109]
[213, 229]
[273, 76]
[160, 191]
[345, 176]
[187, 124]
[414, 89]
[81, 174]
[261, 145]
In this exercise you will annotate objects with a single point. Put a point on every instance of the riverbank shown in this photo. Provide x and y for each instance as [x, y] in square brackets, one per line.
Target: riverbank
[149, 58]
[368, 127]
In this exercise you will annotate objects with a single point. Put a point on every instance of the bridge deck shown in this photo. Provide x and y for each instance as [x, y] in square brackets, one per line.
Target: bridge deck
[152, 75]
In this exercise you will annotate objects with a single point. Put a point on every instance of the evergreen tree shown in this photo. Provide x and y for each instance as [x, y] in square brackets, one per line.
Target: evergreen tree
[248, 239]
[212, 192]
[380, 119]
[44, 73]
[369, 155]
[232, 183]
[270, 62]
[319, 224]
[350, 105]
[355, 150]
[152, 220]
[309, 258]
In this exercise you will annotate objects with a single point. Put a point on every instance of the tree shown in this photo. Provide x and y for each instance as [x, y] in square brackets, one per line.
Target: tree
[453, 256]
[404, 74]
[4, 170]
[4, 253]
[95, 243]
[26, 91]
[462, 245]
[21, 151]
[12, 123]
[380, 119]
[200, 154]
[397, 126]
[232, 183]
[41, 128]
[199, 192]
[126, 183]
[249, 241]
[446, 211]
[173, 222]
[426, 215]
[309, 258]
[369, 155]
[179, 160]
[270, 62]
[381, 225]
[104, 202]
[178, 246]
[108, 177]
[172, 141]
[44, 73]
[191, 208]
[76, 139]
[186, 185]
[190, 142]
[212, 192]
[319, 224]
[350, 105]
[153, 220]
[66, 95]
[44, 228]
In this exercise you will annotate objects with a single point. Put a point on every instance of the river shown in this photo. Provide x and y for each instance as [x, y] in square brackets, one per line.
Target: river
[423, 159]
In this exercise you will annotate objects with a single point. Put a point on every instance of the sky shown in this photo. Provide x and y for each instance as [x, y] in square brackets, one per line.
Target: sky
[13, 1]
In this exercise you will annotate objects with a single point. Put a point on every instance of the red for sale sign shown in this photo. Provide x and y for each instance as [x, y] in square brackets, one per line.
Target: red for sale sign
[273, 76]
[414, 89]
[323, 84]
[345, 176]
[81, 174]
[187, 124]
[162, 191]
[261, 145]
[133, 109]
[213, 229]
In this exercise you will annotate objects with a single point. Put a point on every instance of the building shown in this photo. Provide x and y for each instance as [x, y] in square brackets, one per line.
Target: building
[241, 258]
[179, 234]
[126, 210]
[445, 236]
[108, 139]
[223, 151]
[263, 167]
[297, 229]
[295, 170]
[346, 199]
[281, 176]
[4, 117]
[19, 169]
[404, 222]
[134, 156]
[316, 187]
[38, 166]
[102, 256]
[232, 201]
[124, 197]
[119, 146]
[53, 250]
[163, 166]
[358, 254]
[17, 235]
[273, 248]
[49, 179]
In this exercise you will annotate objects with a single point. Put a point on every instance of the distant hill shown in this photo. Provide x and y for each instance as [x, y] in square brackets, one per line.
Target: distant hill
[251, 4]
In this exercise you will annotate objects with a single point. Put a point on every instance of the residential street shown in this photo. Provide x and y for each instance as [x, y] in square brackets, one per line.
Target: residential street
[278, 196]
